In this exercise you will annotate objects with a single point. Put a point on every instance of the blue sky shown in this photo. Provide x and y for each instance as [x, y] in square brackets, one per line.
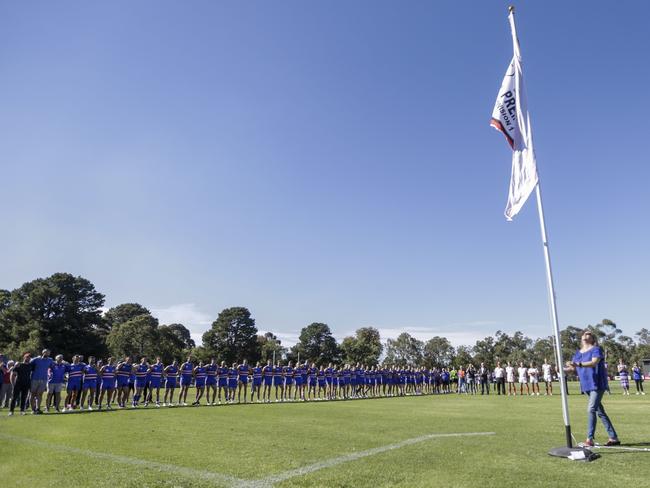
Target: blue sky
[327, 161]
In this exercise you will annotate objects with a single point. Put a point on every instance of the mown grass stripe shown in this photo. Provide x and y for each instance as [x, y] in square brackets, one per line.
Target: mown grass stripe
[223, 479]
[353, 456]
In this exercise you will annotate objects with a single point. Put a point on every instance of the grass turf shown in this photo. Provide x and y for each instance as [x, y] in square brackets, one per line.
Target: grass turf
[255, 441]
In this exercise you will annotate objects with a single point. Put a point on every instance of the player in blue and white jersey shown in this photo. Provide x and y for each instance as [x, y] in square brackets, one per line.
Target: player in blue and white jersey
[123, 373]
[222, 381]
[267, 376]
[211, 382]
[73, 390]
[328, 381]
[107, 373]
[233, 375]
[156, 371]
[257, 382]
[336, 382]
[278, 382]
[311, 392]
[287, 374]
[187, 370]
[140, 371]
[171, 375]
[320, 378]
[299, 392]
[56, 376]
[200, 376]
[244, 371]
[90, 374]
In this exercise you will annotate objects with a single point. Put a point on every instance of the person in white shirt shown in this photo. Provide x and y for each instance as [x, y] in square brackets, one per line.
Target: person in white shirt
[533, 377]
[547, 372]
[522, 373]
[510, 379]
[499, 376]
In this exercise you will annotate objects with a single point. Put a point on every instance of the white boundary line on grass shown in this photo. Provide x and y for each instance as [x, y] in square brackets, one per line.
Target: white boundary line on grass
[232, 480]
[169, 468]
[328, 463]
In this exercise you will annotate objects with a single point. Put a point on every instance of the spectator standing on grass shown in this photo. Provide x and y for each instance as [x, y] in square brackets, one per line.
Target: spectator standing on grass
[461, 380]
[625, 376]
[637, 376]
[589, 363]
[6, 388]
[499, 378]
[484, 374]
[471, 379]
[21, 377]
[40, 371]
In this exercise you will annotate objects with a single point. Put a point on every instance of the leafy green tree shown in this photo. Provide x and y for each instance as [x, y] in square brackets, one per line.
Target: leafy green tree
[438, 352]
[317, 344]
[365, 347]
[463, 356]
[174, 342]
[120, 314]
[543, 348]
[137, 337]
[406, 350]
[484, 351]
[270, 346]
[233, 336]
[61, 312]
[571, 342]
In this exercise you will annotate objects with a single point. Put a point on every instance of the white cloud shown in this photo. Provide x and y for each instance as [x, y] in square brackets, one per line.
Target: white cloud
[187, 314]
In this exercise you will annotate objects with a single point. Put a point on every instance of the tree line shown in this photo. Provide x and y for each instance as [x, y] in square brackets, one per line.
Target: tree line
[65, 314]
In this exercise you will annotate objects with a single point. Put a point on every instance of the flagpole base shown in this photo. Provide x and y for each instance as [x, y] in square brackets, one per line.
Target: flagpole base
[574, 453]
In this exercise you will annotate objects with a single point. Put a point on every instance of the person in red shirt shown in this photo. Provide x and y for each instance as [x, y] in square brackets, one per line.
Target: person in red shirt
[6, 388]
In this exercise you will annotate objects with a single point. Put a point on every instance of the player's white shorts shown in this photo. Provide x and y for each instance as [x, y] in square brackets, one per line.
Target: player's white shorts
[548, 379]
[533, 380]
[522, 381]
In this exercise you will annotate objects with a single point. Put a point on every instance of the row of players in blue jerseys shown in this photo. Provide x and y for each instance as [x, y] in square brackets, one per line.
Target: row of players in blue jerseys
[98, 383]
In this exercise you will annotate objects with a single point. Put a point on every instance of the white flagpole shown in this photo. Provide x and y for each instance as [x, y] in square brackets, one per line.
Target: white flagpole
[556, 326]
[549, 281]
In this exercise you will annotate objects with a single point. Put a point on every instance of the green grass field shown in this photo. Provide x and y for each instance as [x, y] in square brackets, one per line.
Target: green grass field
[324, 444]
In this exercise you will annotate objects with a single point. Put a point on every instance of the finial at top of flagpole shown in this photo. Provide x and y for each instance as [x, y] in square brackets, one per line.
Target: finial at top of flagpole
[511, 9]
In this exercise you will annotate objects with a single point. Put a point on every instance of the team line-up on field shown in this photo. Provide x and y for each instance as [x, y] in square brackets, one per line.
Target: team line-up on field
[98, 384]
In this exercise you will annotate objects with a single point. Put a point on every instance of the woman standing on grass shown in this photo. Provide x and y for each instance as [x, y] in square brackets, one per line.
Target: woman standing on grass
[533, 379]
[625, 377]
[637, 376]
[510, 379]
[522, 372]
[589, 363]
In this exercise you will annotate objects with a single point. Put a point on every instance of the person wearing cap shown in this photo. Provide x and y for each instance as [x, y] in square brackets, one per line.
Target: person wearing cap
[21, 376]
